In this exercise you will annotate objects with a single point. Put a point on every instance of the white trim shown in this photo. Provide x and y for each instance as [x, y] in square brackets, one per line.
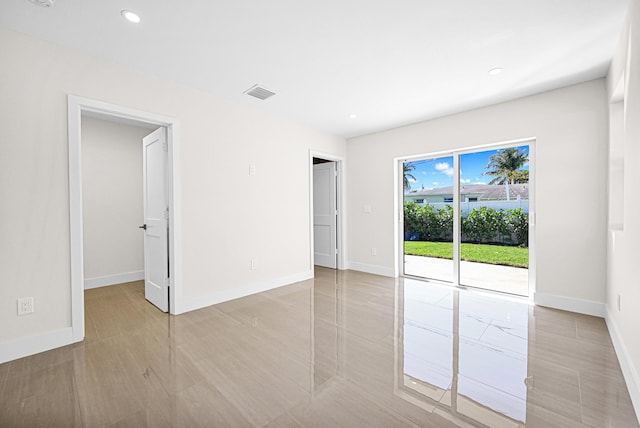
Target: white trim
[341, 242]
[398, 219]
[76, 106]
[457, 218]
[533, 259]
[586, 307]
[467, 150]
[373, 269]
[119, 278]
[626, 363]
[175, 216]
[25, 346]
[74, 113]
[209, 299]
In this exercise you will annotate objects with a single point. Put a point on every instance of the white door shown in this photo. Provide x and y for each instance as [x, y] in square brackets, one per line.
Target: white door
[156, 254]
[324, 214]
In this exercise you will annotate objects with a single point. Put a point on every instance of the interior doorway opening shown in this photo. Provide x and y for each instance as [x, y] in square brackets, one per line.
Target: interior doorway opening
[325, 213]
[125, 209]
[112, 201]
[79, 108]
[326, 209]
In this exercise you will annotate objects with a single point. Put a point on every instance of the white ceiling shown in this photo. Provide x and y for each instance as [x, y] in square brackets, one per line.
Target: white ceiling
[391, 62]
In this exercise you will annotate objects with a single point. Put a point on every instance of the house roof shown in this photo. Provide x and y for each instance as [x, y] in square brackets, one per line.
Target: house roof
[389, 63]
[483, 191]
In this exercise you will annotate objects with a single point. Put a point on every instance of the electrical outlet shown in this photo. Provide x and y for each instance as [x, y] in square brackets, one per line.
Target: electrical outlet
[374, 251]
[253, 264]
[25, 305]
[252, 169]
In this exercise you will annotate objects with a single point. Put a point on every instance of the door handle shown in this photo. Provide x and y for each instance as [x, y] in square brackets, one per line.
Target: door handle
[144, 226]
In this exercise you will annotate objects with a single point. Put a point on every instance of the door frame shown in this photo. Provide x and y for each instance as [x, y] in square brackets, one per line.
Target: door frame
[456, 152]
[76, 107]
[341, 198]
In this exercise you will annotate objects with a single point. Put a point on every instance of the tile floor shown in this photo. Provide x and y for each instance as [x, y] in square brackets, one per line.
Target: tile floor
[347, 349]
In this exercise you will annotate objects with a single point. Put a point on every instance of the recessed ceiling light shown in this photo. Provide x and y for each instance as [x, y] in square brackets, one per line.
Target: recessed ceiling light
[495, 71]
[353, 116]
[130, 16]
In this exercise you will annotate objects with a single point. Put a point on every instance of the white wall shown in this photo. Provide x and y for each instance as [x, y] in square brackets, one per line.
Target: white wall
[624, 232]
[112, 200]
[229, 217]
[570, 127]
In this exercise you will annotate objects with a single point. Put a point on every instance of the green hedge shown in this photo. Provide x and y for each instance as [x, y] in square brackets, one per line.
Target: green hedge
[481, 225]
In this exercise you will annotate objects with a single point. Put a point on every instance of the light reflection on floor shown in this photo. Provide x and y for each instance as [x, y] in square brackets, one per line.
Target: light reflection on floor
[465, 350]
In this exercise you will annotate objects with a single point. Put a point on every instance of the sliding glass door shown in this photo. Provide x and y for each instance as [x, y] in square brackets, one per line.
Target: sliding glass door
[466, 218]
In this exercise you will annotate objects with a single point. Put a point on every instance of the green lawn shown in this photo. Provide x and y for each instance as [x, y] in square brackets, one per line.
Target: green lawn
[483, 253]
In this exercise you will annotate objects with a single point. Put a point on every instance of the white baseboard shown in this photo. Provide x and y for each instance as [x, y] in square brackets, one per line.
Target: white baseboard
[373, 269]
[194, 303]
[629, 372]
[25, 346]
[119, 278]
[586, 307]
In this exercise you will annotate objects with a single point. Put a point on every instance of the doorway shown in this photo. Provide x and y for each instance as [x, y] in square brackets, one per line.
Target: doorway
[77, 109]
[112, 195]
[325, 213]
[467, 217]
[326, 209]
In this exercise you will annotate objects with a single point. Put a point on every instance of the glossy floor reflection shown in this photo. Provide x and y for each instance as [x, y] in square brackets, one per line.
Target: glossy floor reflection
[346, 349]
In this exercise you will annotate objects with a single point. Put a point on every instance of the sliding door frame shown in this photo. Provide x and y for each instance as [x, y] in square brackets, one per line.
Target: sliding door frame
[456, 153]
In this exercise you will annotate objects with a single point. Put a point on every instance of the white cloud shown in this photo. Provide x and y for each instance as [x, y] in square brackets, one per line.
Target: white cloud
[465, 181]
[424, 172]
[435, 183]
[444, 168]
[479, 182]
[412, 180]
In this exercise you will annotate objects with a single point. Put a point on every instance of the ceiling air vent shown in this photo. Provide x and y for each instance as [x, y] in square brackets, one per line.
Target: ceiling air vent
[259, 92]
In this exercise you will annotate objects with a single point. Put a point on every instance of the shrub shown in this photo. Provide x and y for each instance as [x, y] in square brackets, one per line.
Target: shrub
[518, 223]
[481, 225]
[412, 217]
[431, 224]
[444, 221]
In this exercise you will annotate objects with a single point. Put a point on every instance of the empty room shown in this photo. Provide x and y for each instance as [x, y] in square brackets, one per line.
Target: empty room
[338, 213]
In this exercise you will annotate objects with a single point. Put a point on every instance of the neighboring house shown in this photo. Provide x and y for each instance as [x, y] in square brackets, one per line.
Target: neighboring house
[472, 192]
[475, 196]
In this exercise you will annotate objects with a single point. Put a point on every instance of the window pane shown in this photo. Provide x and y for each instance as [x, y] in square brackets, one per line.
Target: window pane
[428, 218]
[494, 205]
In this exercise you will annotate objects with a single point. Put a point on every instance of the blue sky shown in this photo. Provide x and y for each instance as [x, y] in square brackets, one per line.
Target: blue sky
[436, 173]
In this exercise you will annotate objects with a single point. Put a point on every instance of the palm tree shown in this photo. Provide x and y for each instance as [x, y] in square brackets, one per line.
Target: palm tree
[505, 166]
[521, 177]
[407, 168]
